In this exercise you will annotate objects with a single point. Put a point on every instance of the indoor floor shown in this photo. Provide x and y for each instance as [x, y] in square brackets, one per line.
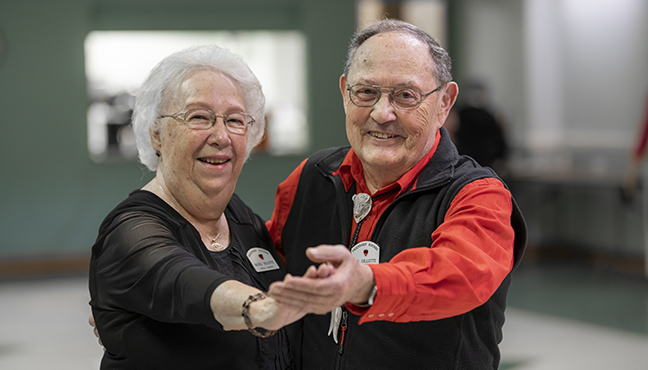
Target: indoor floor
[561, 316]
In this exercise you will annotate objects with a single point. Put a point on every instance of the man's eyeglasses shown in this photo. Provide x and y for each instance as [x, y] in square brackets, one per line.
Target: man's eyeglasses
[400, 97]
[204, 119]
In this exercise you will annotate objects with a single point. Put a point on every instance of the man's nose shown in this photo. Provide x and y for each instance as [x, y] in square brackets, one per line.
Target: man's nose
[383, 110]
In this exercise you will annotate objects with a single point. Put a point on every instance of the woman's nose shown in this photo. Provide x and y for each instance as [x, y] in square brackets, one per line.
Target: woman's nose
[218, 133]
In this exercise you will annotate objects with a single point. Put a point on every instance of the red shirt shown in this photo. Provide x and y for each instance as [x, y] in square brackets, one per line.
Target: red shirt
[471, 254]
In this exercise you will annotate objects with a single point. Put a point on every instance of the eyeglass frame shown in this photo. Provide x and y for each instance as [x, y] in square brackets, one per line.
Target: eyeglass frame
[182, 117]
[391, 97]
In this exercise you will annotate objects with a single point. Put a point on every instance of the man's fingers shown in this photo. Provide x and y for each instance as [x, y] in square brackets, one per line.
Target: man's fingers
[325, 270]
[92, 323]
[327, 253]
[311, 273]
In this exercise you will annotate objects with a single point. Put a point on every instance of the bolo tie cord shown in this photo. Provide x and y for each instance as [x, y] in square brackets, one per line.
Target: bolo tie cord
[355, 234]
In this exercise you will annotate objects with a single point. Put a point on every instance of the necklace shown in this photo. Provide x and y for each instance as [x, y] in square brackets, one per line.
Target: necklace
[214, 245]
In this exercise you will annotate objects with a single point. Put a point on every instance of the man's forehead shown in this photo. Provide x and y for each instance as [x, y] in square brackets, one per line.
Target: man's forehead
[400, 58]
[370, 81]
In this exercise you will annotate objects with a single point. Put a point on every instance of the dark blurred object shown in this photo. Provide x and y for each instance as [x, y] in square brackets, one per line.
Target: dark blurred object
[118, 121]
[477, 131]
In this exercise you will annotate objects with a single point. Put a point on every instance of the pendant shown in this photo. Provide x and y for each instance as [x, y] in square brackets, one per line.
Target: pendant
[361, 206]
[216, 246]
[334, 326]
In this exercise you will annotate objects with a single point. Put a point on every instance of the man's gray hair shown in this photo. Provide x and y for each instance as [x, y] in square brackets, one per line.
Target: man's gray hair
[164, 80]
[440, 58]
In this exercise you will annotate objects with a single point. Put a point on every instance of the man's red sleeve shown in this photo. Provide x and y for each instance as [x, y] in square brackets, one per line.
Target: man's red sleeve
[283, 204]
[471, 254]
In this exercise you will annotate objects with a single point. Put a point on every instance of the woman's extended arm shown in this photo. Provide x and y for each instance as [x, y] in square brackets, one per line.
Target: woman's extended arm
[227, 305]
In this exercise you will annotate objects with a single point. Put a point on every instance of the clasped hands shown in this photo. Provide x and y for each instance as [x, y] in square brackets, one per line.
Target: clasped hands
[340, 278]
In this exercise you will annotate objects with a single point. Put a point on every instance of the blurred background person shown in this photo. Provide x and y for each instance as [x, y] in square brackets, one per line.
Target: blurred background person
[477, 130]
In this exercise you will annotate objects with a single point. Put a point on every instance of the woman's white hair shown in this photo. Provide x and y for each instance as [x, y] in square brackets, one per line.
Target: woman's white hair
[164, 80]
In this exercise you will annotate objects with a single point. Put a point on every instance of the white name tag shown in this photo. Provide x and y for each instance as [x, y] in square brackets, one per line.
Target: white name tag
[366, 252]
[262, 260]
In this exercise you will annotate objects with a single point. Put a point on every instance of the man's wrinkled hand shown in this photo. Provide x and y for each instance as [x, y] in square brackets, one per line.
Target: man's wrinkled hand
[92, 323]
[340, 278]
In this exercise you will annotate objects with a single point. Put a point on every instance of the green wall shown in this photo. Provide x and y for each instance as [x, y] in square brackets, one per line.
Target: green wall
[52, 196]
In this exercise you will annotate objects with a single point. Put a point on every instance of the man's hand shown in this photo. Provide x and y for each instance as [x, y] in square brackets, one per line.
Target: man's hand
[339, 279]
[91, 321]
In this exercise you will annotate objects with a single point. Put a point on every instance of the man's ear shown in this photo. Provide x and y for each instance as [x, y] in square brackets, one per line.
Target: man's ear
[450, 96]
[343, 91]
[448, 100]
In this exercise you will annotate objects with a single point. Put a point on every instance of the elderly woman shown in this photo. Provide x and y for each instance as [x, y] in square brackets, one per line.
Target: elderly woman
[179, 268]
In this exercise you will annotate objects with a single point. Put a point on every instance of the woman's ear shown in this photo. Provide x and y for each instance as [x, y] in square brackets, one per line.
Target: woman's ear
[154, 133]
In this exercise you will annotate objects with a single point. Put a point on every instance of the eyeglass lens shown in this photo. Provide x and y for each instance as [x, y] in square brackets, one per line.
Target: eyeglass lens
[367, 95]
[203, 119]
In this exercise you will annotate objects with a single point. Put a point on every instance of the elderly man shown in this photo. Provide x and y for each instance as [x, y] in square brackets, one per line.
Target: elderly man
[415, 243]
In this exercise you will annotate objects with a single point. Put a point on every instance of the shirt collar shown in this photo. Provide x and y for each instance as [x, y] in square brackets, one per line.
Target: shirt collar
[350, 171]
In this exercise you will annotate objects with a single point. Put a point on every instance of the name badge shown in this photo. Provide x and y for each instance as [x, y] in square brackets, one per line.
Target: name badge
[262, 260]
[366, 252]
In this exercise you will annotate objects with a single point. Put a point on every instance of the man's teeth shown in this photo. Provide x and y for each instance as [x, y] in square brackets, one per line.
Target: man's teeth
[213, 161]
[381, 135]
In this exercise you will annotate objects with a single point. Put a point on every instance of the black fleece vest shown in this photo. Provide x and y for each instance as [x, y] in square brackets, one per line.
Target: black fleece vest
[322, 214]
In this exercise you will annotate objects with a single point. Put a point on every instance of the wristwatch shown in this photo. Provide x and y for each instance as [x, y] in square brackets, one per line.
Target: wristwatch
[372, 295]
[370, 301]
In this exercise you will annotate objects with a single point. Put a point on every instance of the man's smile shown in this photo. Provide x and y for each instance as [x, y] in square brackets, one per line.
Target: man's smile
[381, 135]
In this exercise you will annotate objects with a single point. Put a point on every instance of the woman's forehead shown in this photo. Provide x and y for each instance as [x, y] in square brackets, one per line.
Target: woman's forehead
[206, 87]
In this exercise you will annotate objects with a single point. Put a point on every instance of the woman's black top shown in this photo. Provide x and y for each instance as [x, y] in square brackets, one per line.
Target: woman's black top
[151, 279]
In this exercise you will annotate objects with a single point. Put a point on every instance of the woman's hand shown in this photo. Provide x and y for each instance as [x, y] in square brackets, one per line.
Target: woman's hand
[269, 314]
[227, 307]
